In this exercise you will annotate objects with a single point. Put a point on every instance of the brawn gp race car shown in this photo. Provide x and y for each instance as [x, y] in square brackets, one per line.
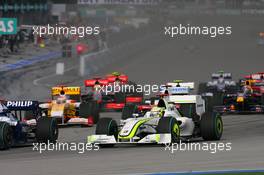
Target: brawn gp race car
[21, 124]
[176, 116]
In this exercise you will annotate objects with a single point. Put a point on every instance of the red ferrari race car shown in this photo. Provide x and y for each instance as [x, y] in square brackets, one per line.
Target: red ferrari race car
[112, 92]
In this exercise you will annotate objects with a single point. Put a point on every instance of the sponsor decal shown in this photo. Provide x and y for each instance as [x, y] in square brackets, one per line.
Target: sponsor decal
[8, 26]
[19, 103]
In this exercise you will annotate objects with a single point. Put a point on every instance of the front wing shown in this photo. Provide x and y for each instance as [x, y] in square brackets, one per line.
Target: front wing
[72, 121]
[151, 138]
[226, 110]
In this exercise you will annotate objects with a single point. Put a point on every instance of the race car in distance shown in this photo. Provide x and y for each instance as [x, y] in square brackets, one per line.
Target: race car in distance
[214, 90]
[112, 92]
[256, 82]
[21, 124]
[66, 106]
[221, 82]
[249, 99]
[176, 116]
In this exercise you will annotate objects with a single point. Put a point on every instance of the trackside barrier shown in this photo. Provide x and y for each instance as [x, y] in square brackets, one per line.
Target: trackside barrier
[91, 63]
[30, 61]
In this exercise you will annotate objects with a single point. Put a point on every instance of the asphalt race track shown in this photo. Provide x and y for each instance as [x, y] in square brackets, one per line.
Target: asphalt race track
[162, 59]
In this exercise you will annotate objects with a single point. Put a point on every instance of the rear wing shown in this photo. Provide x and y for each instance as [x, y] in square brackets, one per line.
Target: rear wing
[113, 78]
[190, 85]
[22, 105]
[179, 99]
[257, 76]
[73, 90]
[93, 82]
[225, 75]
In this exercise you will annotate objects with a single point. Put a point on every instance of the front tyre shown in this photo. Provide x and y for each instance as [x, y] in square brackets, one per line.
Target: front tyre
[47, 130]
[6, 136]
[169, 125]
[211, 126]
[107, 126]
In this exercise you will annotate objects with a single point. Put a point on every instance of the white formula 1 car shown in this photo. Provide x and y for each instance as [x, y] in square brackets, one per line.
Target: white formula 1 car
[221, 82]
[176, 115]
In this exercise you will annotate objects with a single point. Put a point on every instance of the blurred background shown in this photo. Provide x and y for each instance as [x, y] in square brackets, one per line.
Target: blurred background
[131, 32]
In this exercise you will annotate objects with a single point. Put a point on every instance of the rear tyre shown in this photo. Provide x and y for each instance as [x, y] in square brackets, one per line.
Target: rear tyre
[107, 126]
[6, 136]
[128, 111]
[169, 125]
[90, 108]
[212, 101]
[211, 126]
[47, 130]
[202, 88]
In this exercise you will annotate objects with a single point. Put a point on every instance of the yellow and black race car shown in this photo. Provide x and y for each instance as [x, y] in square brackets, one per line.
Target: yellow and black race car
[67, 107]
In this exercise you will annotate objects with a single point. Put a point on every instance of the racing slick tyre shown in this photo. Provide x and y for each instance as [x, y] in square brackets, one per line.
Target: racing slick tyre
[128, 111]
[6, 136]
[209, 103]
[211, 126]
[90, 108]
[47, 130]
[107, 126]
[202, 88]
[169, 125]
[212, 101]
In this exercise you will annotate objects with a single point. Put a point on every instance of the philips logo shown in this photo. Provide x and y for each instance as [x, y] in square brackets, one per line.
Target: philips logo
[19, 103]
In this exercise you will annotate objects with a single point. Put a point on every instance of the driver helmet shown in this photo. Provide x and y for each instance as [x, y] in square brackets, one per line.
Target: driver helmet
[247, 88]
[221, 78]
[97, 86]
[62, 98]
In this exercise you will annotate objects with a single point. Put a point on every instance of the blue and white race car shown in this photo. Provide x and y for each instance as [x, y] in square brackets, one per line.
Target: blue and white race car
[213, 91]
[221, 82]
[21, 124]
